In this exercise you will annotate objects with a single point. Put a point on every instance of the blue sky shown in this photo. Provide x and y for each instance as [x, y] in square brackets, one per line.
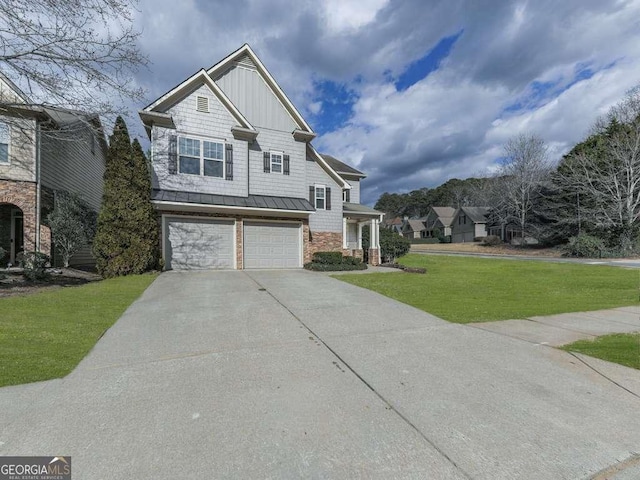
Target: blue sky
[415, 92]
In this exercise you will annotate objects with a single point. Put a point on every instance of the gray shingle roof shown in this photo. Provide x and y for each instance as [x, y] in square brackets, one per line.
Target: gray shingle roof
[348, 207]
[341, 167]
[252, 201]
[476, 214]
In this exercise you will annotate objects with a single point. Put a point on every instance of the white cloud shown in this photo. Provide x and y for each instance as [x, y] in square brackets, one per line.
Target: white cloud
[451, 124]
[349, 15]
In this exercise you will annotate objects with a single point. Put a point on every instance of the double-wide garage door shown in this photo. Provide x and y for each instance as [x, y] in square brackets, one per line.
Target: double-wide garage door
[203, 243]
[194, 243]
[272, 245]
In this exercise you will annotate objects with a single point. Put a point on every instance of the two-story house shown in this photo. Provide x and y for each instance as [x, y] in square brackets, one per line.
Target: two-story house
[44, 150]
[469, 224]
[236, 181]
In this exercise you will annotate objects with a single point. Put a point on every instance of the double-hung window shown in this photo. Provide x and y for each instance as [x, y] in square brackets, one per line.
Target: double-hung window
[201, 157]
[5, 134]
[276, 162]
[321, 197]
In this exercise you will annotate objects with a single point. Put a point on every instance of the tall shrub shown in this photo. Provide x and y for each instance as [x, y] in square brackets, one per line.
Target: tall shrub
[127, 238]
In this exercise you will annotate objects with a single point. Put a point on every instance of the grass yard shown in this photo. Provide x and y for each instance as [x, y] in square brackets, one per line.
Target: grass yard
[622, 348]
[467, 289]
[45, 335]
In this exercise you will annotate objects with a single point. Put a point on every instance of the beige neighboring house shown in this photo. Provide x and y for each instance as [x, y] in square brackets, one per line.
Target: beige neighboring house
[469, 224]
[439, 219]
[44, 150]
[413, 228]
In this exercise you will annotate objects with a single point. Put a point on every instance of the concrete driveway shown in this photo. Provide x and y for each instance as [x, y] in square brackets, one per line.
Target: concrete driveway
[291, 374]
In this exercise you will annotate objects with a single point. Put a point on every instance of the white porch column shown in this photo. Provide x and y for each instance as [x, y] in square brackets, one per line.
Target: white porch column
[359, 235]
[373, 236]
[344, 233]
[378, 241]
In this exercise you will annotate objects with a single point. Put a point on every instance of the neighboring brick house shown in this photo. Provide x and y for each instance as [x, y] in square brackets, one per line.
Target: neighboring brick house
[236, 180]
[43, 150]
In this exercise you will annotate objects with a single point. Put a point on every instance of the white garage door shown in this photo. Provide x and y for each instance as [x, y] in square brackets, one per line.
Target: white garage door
[271, 245]
[194, 243]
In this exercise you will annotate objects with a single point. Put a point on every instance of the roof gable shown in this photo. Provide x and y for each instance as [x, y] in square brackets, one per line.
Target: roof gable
[199, 78]
[245, 56]
[476, 214]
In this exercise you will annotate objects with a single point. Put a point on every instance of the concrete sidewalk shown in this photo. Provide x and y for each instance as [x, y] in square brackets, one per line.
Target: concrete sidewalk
[557, 330]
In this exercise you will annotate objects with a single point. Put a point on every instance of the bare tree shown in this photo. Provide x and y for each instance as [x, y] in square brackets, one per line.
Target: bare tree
[606, 177]
[74, 54]
[518, 181]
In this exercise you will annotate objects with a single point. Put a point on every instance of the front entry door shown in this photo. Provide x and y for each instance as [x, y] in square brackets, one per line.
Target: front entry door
[17, 235]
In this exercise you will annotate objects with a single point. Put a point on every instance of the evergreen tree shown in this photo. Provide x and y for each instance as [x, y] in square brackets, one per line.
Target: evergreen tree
[126, 241]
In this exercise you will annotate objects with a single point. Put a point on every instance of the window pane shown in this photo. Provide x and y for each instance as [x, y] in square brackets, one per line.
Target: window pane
[320, 194]
[4, 153]
[4, 133]
[189, 146]
[213, 150]
[276, 167]
[190, 165]
[213, 168]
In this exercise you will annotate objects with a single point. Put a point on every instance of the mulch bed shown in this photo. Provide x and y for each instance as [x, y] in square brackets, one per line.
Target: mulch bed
[13, 283]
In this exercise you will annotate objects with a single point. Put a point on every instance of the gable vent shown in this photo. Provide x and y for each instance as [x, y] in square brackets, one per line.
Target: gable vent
[246, 61]
[202, 104]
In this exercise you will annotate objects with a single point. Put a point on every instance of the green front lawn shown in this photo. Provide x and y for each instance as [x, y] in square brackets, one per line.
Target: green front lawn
[622, 348]
[467, 289]
[45, 335]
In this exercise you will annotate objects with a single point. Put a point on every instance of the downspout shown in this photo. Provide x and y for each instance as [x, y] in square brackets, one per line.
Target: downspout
[248, 166]
[38, 184]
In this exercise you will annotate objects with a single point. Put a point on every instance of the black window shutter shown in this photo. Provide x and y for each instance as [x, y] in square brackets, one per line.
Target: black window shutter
[267, 162]
[173, 154]
[312, 195]
[347, 195]
[285, 164]
[327, 198]
[229, 161]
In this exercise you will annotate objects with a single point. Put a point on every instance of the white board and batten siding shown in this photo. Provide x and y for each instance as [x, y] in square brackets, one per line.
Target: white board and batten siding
[272, 244]
[252, 96]
[196, 243]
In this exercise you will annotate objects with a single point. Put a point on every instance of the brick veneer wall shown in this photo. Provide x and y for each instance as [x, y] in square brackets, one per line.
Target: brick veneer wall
[23, 195]
[324, 242]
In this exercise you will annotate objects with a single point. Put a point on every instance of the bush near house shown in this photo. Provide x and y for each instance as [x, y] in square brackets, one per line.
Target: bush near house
[392, 245]
[491, 241]
[334, 262]
[584, 245]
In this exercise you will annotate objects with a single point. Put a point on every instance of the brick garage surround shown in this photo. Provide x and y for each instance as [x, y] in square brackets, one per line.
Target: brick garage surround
[323, 242]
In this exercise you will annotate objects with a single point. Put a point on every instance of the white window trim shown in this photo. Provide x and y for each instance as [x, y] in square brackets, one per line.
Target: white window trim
[202, 157]
[281, 155]
[324, 198]
[8, 162]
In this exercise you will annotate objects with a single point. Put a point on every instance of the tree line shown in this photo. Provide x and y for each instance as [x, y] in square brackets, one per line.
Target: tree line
[591, 195]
